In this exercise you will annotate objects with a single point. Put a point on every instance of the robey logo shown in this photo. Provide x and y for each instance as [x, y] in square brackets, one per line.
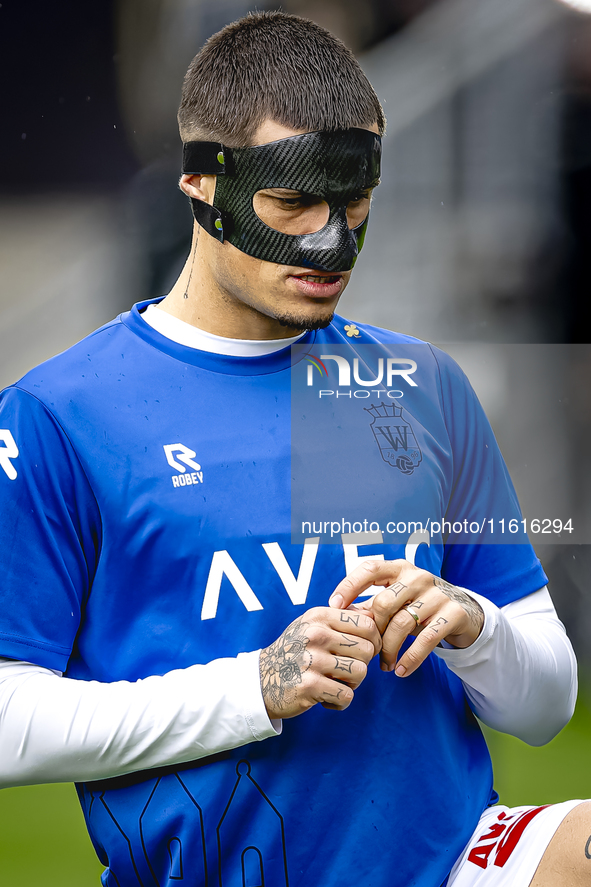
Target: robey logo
[8, 451]
[180, 458]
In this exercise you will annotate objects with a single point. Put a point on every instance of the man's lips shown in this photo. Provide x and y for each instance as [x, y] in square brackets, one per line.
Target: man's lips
[323, 285]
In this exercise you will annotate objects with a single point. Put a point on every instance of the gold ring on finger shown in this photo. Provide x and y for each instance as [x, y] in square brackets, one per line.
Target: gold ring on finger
[414, 615]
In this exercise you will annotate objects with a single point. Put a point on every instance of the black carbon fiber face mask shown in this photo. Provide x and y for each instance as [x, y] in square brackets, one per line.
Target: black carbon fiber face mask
[333, 168]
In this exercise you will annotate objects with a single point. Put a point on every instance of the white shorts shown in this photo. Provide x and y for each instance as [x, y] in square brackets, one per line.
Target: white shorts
[507, 845]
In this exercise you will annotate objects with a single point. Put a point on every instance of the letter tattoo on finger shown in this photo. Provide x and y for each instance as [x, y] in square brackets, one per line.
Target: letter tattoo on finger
[343, 664]
[440, 621]
[336, 695]
[348, 641]
[349, 617]
[396, 588]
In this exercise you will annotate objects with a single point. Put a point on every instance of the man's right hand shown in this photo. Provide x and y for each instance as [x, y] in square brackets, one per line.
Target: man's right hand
[321, 657]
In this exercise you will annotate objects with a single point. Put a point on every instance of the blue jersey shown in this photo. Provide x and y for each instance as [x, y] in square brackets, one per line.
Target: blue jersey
[146, 525]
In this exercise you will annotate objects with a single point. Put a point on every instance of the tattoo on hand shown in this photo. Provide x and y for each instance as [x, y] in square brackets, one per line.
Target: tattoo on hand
[588, 848]
[282, 665]
[396, 588]
[440, 621]
[470, 606]
[336, 695]
[343, 664]
[347, 617]
[348, 641]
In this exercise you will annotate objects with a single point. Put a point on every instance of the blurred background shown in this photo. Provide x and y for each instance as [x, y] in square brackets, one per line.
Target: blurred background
[479, 240]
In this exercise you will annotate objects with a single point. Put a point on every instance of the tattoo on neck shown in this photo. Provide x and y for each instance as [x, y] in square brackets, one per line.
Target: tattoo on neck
[283, 664]
[472, 607]
[186, 293]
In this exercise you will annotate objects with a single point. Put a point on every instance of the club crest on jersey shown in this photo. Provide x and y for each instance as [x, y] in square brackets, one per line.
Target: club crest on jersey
[395, 437]
[182, 458]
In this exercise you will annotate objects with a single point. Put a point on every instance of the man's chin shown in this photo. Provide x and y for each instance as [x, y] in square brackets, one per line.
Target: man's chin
[302, 322]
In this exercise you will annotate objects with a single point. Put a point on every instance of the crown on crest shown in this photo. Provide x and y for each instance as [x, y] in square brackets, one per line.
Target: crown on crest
[385, 410]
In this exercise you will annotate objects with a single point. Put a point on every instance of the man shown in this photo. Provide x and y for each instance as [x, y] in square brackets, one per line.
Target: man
[157, 624]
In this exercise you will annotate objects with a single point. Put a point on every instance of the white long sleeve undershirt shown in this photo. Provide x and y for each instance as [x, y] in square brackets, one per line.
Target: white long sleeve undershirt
[520, 676]
[57, 729]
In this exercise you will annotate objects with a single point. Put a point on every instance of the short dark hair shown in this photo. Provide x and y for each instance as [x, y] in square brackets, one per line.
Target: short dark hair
[271, 65]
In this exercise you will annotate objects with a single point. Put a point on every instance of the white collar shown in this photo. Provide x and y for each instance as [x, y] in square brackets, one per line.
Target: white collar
[186, 334]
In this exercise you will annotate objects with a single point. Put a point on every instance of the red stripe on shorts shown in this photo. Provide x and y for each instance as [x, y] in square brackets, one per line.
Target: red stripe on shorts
[509, 842]
[503, 848]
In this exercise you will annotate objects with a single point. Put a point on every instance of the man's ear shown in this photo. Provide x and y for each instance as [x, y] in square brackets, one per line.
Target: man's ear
[198, 187]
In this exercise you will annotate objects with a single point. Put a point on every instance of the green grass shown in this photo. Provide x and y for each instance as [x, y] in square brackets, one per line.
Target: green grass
[43, 841]
[554, 772]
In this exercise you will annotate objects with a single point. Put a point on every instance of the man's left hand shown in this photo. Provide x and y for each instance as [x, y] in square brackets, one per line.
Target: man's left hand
[413, 602]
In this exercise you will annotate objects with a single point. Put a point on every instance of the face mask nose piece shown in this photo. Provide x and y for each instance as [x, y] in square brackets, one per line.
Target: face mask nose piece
[334, 247]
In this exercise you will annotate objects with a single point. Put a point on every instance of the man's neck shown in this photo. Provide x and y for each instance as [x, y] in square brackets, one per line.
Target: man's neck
[197, 299]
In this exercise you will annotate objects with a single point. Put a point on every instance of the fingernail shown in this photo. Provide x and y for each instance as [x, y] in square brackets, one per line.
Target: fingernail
[336, 600]
[400, 671]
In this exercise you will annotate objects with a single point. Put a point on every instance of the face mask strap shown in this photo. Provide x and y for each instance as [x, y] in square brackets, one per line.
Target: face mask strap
[209, 218]
[206, 159]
